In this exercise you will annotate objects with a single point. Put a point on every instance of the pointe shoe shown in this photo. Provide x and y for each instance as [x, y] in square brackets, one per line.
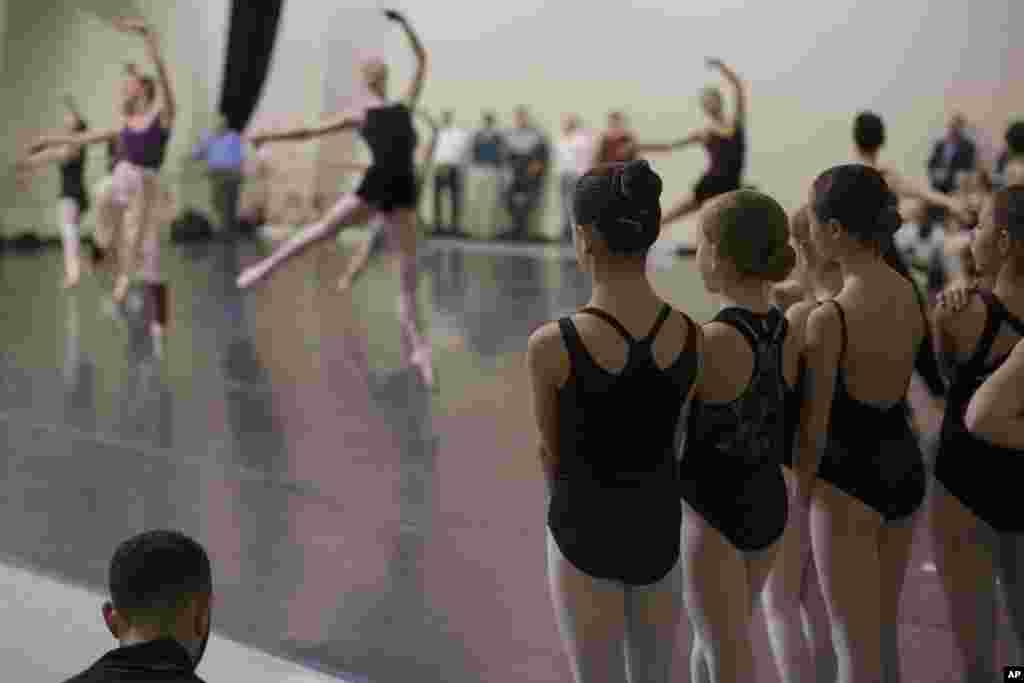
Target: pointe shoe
[250, 276]
[422, 360]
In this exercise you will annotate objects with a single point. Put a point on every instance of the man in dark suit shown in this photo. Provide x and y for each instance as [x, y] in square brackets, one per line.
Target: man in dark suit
[953, 154]
[161, 588]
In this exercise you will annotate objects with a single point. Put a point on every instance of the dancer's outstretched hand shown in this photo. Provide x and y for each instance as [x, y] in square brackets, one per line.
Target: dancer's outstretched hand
[394, 15]
[957, 297]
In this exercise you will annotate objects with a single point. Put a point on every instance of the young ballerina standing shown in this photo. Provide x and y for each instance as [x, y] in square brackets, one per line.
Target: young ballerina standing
[870, 482]
[977, 530]
[792, 598]
[731, 478]
[610, 406]
[73, 199]
[723, 138]
[386, 194]
[126, 214]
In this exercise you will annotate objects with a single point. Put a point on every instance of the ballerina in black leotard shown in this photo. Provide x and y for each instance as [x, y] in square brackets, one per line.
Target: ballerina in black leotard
[725, 142]
[731, 478]
[978, 469]
[74, 200]
[871, 481]
[387, 192]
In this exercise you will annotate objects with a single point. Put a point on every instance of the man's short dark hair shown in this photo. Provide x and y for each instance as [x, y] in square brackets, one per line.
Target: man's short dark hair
[154, 575]
[868, 131]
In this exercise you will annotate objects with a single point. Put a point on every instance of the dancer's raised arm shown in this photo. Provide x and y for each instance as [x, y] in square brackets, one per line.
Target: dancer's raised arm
[48, 156]
[412, 96]
[48, 141]
[169, 108]
[904, 187]
[691, 139]
[740, 117]
[334, 123]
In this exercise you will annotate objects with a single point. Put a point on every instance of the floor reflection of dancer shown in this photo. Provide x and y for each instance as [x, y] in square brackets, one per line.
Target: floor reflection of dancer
[725, 142]
[387, 192]
[74, 200]
[127, 214]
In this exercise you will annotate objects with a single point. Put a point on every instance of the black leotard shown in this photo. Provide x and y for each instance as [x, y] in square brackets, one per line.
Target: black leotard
[872, 453]
[725, 172]
[614, 509]
[730, 473]
[984, 477]
[390, 182]
[72, 185]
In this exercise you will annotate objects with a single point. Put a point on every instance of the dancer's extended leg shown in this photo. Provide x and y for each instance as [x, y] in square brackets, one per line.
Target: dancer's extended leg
[362, 255]
[109, 221]
[155, 285]
[69, 215]
[680, 210]
[349, 210]
[138, 223]
[402, 225]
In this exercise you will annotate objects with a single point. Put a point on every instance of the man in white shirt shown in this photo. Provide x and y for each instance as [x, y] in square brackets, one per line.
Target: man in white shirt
[576, 152]
[450, 157]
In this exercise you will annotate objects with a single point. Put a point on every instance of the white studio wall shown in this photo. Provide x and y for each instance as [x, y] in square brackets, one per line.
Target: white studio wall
[809, 70]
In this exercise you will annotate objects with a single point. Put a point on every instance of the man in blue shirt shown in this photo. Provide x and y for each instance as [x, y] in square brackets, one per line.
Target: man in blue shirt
[223, 153]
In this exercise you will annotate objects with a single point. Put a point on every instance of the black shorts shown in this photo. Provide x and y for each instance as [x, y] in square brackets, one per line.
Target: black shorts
[386, 191]
[710, 186]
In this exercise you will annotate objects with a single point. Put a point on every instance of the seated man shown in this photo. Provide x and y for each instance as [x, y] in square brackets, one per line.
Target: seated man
[161, 590]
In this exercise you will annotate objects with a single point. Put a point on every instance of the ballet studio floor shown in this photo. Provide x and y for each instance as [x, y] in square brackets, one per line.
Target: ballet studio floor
[357, 524]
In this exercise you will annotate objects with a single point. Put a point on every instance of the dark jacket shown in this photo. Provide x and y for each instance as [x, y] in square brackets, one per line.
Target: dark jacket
[158, 661]
[943, 175]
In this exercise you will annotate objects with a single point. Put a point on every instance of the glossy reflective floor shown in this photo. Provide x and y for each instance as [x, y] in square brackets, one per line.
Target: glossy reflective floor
[354, 520]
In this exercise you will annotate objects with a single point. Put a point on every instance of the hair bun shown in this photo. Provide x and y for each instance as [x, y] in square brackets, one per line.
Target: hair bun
[638, 183]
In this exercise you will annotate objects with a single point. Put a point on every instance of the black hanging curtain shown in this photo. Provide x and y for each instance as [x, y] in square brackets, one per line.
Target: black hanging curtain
[251, 35]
